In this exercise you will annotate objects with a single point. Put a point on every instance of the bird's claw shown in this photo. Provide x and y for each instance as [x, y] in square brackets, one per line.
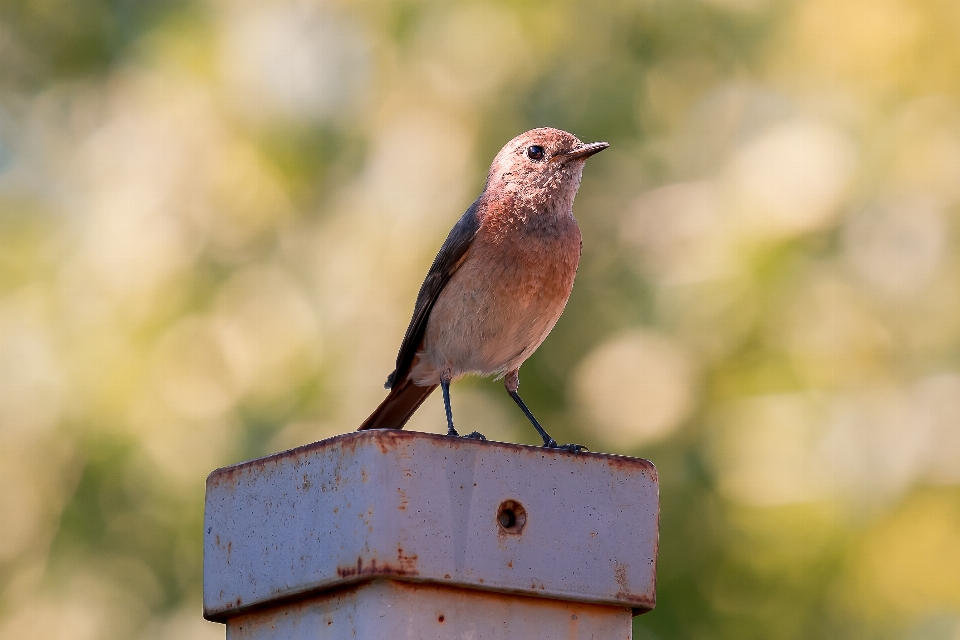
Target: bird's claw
[572, 448]
[475, 435]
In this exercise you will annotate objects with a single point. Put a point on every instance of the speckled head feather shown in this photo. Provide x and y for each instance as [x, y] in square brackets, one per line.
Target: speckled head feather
[541, 166]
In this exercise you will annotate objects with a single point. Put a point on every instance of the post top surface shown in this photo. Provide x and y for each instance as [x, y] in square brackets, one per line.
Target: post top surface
[430, 508]
[387, 439]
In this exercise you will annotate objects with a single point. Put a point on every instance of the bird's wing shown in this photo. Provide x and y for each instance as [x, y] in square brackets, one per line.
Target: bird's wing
[448, 260]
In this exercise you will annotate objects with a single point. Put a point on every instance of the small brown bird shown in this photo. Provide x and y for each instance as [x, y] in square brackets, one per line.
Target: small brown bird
[500, 281]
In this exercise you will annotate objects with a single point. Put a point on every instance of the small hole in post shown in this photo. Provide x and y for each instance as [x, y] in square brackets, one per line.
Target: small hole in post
[511, 517]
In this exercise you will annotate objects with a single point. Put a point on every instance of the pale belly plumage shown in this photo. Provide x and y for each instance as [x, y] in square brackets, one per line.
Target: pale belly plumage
[489, 320]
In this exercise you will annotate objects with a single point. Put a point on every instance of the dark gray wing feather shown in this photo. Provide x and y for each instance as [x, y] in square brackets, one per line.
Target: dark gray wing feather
[446, 263]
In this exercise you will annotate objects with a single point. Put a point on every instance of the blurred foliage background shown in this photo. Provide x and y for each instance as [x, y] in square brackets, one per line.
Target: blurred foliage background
[215, 216]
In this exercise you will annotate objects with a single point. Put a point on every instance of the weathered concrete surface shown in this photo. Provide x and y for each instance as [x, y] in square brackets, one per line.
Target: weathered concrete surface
[416, 611]
[419, 507]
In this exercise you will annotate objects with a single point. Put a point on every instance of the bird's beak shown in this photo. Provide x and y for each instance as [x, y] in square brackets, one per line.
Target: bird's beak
[583, 151]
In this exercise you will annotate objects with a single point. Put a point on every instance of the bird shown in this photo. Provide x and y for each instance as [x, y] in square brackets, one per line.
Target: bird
[499, 283]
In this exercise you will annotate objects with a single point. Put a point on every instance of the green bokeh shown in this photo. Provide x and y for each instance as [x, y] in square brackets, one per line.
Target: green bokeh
[214, 218]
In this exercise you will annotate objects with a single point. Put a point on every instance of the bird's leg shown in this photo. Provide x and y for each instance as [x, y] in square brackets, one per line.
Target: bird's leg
[445, 377]
[512, 383]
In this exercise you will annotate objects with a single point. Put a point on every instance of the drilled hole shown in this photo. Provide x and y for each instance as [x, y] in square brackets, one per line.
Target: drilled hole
[511, 517]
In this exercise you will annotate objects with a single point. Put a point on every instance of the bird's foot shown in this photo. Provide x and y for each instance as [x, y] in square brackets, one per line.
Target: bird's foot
[572, 448]
[475, 435]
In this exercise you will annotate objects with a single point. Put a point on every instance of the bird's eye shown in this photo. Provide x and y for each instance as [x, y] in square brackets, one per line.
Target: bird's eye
[535, 152]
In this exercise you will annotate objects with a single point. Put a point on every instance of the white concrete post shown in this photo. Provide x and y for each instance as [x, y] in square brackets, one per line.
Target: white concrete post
[405, 535]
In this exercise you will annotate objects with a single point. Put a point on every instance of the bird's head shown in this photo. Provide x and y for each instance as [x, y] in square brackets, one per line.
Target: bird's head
[542, 166]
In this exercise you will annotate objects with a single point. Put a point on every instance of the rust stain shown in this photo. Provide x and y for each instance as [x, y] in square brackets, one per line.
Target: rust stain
[347, 443]
[407, 566]
[380, 440]
[628, 466]
[404, 501]
[644, 605]
[230, 475]
[306, 483]
[408, 563]
[620, 575]
[263, 613]
[364, 476]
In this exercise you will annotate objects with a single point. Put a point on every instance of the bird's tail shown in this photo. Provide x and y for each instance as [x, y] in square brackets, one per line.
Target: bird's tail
[398, 406]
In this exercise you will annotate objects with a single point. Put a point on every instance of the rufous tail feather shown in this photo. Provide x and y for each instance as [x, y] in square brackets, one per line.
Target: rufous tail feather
[398, 406]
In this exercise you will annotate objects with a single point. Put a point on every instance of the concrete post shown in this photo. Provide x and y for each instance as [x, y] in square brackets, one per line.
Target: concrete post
[405, 535]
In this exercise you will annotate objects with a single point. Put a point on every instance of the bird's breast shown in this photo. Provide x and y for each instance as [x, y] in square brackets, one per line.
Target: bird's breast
[505, 297]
